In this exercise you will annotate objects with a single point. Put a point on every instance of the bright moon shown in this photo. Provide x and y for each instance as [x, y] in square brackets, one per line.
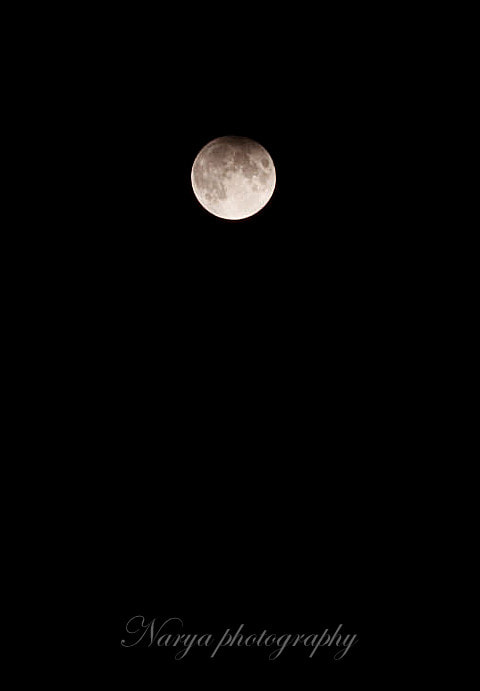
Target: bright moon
[233, 177]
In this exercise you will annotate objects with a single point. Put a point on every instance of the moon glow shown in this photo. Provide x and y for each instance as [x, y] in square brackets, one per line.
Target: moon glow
[233, 177]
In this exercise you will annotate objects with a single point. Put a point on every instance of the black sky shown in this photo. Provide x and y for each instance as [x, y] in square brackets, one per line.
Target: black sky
[247, 368]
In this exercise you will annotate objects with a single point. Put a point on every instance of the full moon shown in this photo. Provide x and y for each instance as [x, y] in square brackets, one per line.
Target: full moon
[233, 177]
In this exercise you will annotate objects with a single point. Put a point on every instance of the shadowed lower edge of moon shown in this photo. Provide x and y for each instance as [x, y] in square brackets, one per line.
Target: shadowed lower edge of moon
[233, 178]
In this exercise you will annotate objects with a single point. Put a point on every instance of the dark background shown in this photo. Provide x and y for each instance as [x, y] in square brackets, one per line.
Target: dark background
[246, 385]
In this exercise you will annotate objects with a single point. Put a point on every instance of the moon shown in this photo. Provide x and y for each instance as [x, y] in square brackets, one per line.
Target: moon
[233, 177]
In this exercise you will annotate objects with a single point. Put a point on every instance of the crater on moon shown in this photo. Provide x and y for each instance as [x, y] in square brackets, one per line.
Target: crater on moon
[233, 177]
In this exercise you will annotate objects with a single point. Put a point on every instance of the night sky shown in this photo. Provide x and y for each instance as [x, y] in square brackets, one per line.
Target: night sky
[246, 368]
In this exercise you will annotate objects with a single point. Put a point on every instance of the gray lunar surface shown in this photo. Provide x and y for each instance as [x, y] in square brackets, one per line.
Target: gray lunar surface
[233, 177]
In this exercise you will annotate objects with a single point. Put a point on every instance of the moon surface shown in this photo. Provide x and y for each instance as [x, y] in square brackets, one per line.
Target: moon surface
[233, 177]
